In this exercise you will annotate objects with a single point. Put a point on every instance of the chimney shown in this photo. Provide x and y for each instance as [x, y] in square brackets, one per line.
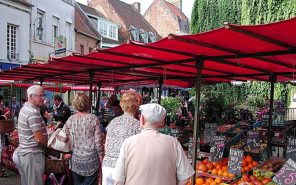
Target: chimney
[137, 7]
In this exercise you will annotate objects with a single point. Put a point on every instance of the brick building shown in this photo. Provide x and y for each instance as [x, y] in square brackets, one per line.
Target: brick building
[166, 18]
[87, 38]
[108, 30]
[133, 26]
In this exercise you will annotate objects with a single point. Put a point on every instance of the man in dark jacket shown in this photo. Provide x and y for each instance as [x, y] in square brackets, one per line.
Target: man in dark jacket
[61, 111]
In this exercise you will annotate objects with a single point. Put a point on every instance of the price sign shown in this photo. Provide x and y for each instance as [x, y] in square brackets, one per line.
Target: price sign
[175, 132]
[209, 132]
[235, 161]
[190, 147]
[253, 140]
[265, 118]
[166, 131]
[287, 174]
[217, 149]
[291, 148]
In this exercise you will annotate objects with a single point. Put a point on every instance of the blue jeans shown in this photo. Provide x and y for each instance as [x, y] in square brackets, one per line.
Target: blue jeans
[85, 180]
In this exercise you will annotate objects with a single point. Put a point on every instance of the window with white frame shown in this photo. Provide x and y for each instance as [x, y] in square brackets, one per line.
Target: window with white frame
[103, 29]
[55, 28]
[112, 31]
[68, 35]
[109, 30]
[39, 25]
[12, 31]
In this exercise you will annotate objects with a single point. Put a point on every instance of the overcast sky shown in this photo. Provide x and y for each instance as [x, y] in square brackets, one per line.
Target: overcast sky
[187, 5]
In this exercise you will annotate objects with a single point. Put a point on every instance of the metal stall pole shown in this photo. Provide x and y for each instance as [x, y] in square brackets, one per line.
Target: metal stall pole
[160, 82]
[91, 79]
[69, 93]
[196, 127]
[11, 94]
[98, 99]
[41, 81]
[272, 79]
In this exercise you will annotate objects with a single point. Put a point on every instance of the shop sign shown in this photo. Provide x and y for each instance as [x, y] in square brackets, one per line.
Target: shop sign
[210, 132]
[60, 44]
[253, 140]
[217, 148]
[291, 148]
[287, 174]
[235, 161]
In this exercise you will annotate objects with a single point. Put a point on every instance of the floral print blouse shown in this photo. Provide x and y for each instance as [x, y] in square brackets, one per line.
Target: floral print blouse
[118, 130]
[87, 143]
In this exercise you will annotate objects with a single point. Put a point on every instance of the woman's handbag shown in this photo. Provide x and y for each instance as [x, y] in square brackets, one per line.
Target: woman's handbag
[58, 166]
[60, 141]
[6, 126]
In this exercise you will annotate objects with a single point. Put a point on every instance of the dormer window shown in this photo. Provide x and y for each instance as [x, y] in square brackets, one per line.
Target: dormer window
[135, 33]
[109, 30]
[144, 36]
[103, 28]
[152, 37]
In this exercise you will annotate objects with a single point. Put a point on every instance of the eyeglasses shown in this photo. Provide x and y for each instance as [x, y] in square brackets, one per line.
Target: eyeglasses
[40, 95]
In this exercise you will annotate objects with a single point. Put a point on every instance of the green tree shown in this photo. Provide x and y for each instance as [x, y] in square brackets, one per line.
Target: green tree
[211, 14]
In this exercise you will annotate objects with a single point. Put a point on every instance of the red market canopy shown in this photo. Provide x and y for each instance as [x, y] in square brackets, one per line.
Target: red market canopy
[56, 88]
[229, 53]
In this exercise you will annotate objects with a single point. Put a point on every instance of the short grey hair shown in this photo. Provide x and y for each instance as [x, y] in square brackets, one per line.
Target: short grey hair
[33, 89]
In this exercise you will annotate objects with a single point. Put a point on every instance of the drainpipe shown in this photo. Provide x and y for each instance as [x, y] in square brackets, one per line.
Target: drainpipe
[30, 37]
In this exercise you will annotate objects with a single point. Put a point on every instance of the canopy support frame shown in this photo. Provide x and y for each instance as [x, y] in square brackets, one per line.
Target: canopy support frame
[99, 84]
[272, 79]
[91, 79]
[160, 84]
[196, 127]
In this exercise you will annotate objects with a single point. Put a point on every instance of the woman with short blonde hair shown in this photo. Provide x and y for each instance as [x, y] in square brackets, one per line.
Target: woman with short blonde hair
[118, 130]
[130, 101]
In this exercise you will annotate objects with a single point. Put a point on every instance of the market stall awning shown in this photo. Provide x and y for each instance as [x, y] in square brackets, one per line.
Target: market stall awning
[229, 53]
[56, 88]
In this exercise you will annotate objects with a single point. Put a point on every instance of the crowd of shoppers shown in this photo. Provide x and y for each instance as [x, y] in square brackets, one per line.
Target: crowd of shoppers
[132, 151]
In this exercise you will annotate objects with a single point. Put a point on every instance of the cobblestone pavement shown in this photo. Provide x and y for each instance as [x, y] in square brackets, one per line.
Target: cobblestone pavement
[12, 179]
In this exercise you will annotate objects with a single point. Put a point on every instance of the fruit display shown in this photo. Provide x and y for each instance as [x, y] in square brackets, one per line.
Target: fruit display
[207, 181]
[252, 180]
[248, 164]
[225, 128]
[272, 165]
[237, 130]
[238, 145]
[214, 169]
[263, 147]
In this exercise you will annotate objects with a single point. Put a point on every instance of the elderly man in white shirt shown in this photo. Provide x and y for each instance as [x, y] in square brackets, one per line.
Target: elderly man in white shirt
[152, 158]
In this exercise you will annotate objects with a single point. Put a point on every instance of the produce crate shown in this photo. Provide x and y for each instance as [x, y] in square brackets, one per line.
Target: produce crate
[234, 140]
[203, 174]
[257, 124]
[273, 160]
[260, 156]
